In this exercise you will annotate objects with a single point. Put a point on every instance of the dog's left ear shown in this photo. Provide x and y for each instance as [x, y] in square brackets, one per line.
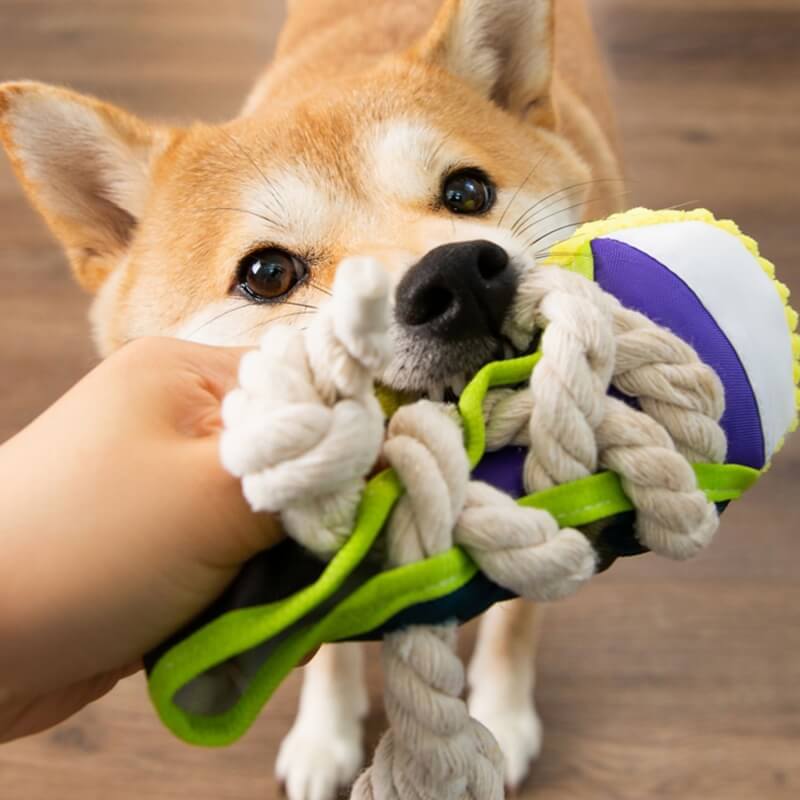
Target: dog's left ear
[86, 165]
[502, 48]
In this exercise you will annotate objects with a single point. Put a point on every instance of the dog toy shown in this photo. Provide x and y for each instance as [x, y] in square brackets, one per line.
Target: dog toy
[660, 381]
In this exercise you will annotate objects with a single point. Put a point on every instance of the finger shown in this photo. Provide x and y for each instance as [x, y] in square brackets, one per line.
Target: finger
[219, 366]
[203, 376]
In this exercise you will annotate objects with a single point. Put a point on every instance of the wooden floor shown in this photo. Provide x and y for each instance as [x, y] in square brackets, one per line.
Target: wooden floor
[660, 680]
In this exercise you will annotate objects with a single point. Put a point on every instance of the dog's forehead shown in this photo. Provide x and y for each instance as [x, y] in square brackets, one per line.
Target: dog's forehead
[297, 203]
[380, 168]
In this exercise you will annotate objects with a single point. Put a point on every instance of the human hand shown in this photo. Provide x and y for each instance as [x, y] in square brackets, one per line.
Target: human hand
[119, 526]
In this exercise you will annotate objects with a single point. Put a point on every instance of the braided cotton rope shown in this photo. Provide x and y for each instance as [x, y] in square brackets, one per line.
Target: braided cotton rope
[591, 341]
[304, 429]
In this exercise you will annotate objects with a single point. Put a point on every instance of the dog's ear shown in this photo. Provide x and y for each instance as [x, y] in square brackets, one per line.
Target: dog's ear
[85, 165]
[502, 48]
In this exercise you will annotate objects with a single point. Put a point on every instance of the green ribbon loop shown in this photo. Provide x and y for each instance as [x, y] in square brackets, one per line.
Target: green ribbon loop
[295, 625]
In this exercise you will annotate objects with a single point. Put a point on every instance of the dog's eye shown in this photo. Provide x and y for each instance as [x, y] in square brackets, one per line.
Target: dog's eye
[468, 191]
[269, 274]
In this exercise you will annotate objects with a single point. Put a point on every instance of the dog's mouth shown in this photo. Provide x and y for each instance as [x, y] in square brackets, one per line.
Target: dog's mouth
[434, 378]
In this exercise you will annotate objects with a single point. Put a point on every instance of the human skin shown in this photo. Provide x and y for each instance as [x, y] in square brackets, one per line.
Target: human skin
[118, 526]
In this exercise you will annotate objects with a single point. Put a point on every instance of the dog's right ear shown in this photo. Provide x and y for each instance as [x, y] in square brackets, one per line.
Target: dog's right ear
[86, 166]
[502, 48]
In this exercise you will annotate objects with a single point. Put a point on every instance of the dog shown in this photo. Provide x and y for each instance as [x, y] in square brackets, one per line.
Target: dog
[452, 141]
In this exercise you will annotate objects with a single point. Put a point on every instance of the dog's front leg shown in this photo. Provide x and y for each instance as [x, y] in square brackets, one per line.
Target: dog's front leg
[502, 678]
[324, 749]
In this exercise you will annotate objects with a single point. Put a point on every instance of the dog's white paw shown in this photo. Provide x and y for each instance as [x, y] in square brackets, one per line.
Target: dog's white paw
[318, 758]
[518, 731]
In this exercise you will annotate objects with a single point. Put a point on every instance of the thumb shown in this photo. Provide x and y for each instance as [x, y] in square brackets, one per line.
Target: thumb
[245, 532]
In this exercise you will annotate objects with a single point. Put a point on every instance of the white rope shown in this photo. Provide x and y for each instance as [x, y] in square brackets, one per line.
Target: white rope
[434, 750]
[570, 381]
[304, 429]
[576, 426]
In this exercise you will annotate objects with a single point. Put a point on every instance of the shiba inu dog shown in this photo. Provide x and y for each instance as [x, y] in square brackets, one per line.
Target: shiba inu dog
[452, 141]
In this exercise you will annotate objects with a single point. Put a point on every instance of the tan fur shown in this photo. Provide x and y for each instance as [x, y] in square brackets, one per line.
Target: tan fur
[341, 150]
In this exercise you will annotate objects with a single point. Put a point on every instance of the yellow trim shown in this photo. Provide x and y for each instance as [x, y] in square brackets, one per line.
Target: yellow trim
[575, 254]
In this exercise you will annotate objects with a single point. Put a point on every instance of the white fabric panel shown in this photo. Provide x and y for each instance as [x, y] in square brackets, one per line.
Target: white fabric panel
[744, 301]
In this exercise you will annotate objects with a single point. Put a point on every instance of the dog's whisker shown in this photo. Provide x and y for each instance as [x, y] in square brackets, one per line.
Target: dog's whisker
[243, 150]
[544, 253]
[255, 164]
[519, 189]
[246, 153]
[578, 187]
[307, 309]
[430, 161]
[269, 220]
[589, 256]
[679, 206]
[589, 201]
[582, 184]
[218, 317]
[561, 254]
[265, 323]
[277, 197]
[538, 239]
[570, 196]
[523, 218]
[319, 288]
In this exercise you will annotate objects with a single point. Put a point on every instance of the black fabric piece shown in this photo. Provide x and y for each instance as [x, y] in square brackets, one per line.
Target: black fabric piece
[466, 603]
[270, 576]
[287, 568]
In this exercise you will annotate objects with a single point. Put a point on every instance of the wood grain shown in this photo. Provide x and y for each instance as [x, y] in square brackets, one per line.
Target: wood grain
[660, 680]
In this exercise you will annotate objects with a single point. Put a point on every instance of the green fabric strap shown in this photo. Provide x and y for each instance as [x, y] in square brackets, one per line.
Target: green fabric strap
[381, 597]
[470, 405]
[599, 496]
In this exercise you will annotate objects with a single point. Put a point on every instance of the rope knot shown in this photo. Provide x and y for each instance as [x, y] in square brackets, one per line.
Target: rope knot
[304, 427]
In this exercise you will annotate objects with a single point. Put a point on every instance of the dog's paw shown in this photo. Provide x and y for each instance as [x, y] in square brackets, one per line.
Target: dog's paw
[316, 760]
[518, 731]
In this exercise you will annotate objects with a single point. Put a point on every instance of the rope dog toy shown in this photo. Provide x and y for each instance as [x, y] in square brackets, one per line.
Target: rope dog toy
[663, 381]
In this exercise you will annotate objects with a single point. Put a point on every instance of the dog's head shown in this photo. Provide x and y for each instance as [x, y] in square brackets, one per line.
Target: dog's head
[442, 162]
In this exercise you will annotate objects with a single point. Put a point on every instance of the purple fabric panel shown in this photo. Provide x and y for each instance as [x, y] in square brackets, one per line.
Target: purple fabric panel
[642, 283]
[503, 470]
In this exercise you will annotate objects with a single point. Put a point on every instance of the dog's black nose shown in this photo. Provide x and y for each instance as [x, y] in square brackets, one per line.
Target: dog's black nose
[457, 291]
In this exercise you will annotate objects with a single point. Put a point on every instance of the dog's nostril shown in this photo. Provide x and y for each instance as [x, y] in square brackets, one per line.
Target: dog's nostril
[431, 304]
[491, 262]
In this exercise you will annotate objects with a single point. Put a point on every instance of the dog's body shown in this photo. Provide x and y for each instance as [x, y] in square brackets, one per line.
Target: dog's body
[382, 128]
